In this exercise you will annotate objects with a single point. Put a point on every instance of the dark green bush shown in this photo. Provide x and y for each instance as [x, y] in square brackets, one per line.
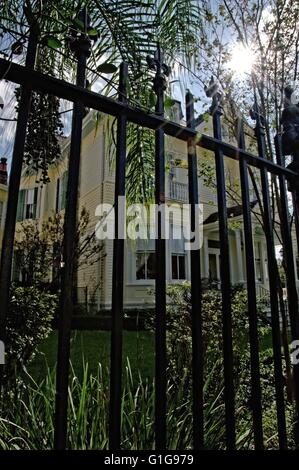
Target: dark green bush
[31, 311]
[179, 349]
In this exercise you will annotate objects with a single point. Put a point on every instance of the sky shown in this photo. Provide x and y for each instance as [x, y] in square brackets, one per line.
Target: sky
[179, 81]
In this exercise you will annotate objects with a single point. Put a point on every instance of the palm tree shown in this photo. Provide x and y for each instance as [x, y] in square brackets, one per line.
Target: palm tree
[123, 30]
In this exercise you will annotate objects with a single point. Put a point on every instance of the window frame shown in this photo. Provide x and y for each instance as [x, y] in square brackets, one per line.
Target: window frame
[23, 204]
[61, 190]
[178, 255]
[144, 280]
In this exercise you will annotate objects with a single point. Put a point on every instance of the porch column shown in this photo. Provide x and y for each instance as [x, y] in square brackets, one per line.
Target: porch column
[263, 263]
[206, 256]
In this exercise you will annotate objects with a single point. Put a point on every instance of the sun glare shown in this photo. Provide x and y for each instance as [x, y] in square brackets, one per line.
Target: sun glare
[242, 60]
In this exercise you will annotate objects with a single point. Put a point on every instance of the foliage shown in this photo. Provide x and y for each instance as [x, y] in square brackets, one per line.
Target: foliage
[269, 31]
[29, 322]
[45, 127]
[179, 324]
[179, 347]
[39, 247]
[27, 422]
[121, 30]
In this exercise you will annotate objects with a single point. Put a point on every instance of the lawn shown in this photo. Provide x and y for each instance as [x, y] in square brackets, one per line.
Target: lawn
[94, 347]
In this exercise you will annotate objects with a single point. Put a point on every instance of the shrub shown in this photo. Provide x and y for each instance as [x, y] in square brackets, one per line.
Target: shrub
[179, 350]
[26, 420]
[31, 311]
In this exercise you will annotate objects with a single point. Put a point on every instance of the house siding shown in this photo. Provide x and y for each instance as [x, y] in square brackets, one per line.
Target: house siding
[97, 186]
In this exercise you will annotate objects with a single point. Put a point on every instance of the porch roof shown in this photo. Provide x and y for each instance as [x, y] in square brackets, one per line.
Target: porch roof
[233, 211]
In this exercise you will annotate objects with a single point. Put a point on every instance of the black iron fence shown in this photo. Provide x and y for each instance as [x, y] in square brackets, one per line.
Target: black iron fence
[29, 79]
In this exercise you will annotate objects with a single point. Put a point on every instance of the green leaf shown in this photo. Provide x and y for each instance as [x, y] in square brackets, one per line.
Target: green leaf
[106, 67]
[152, 99]
[198, 137]
[92, 32]
[53, 42]
[68, 21]
[168, 102]
[79, 24]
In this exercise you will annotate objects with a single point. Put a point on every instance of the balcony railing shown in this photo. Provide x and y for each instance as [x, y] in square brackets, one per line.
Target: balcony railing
[178, 191]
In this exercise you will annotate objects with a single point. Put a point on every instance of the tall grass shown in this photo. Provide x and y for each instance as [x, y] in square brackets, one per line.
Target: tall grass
[27, 422]
[27, 413]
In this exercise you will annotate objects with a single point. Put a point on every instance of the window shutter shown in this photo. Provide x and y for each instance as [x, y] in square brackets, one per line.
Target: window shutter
[20, 210]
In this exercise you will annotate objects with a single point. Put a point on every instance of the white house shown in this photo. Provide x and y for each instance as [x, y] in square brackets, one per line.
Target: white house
[97, 186]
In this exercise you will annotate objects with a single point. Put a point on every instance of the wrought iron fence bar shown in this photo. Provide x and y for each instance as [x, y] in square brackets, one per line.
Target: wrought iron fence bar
[295, 201]
[196, 289]
[70, 227]
[14, 186]
[118, 272]
[290, 275]
[229, 394]
[160, 285]
[40, 82]
[273, 284]
[256, 397]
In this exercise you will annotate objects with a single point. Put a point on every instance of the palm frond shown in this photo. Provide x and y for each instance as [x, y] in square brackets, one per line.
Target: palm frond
[127, 31]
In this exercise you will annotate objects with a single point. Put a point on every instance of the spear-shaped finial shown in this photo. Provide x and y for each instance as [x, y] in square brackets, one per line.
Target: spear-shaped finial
[213, 91]
[162, 70]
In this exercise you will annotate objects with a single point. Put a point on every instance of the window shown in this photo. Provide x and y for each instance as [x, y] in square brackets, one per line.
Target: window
[61, 192]
[27, 204]
[177, 250]
[178, 269]
[145, 265]
[145, 259]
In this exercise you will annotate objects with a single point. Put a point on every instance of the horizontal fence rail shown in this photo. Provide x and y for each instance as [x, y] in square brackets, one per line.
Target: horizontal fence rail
[62, 89]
